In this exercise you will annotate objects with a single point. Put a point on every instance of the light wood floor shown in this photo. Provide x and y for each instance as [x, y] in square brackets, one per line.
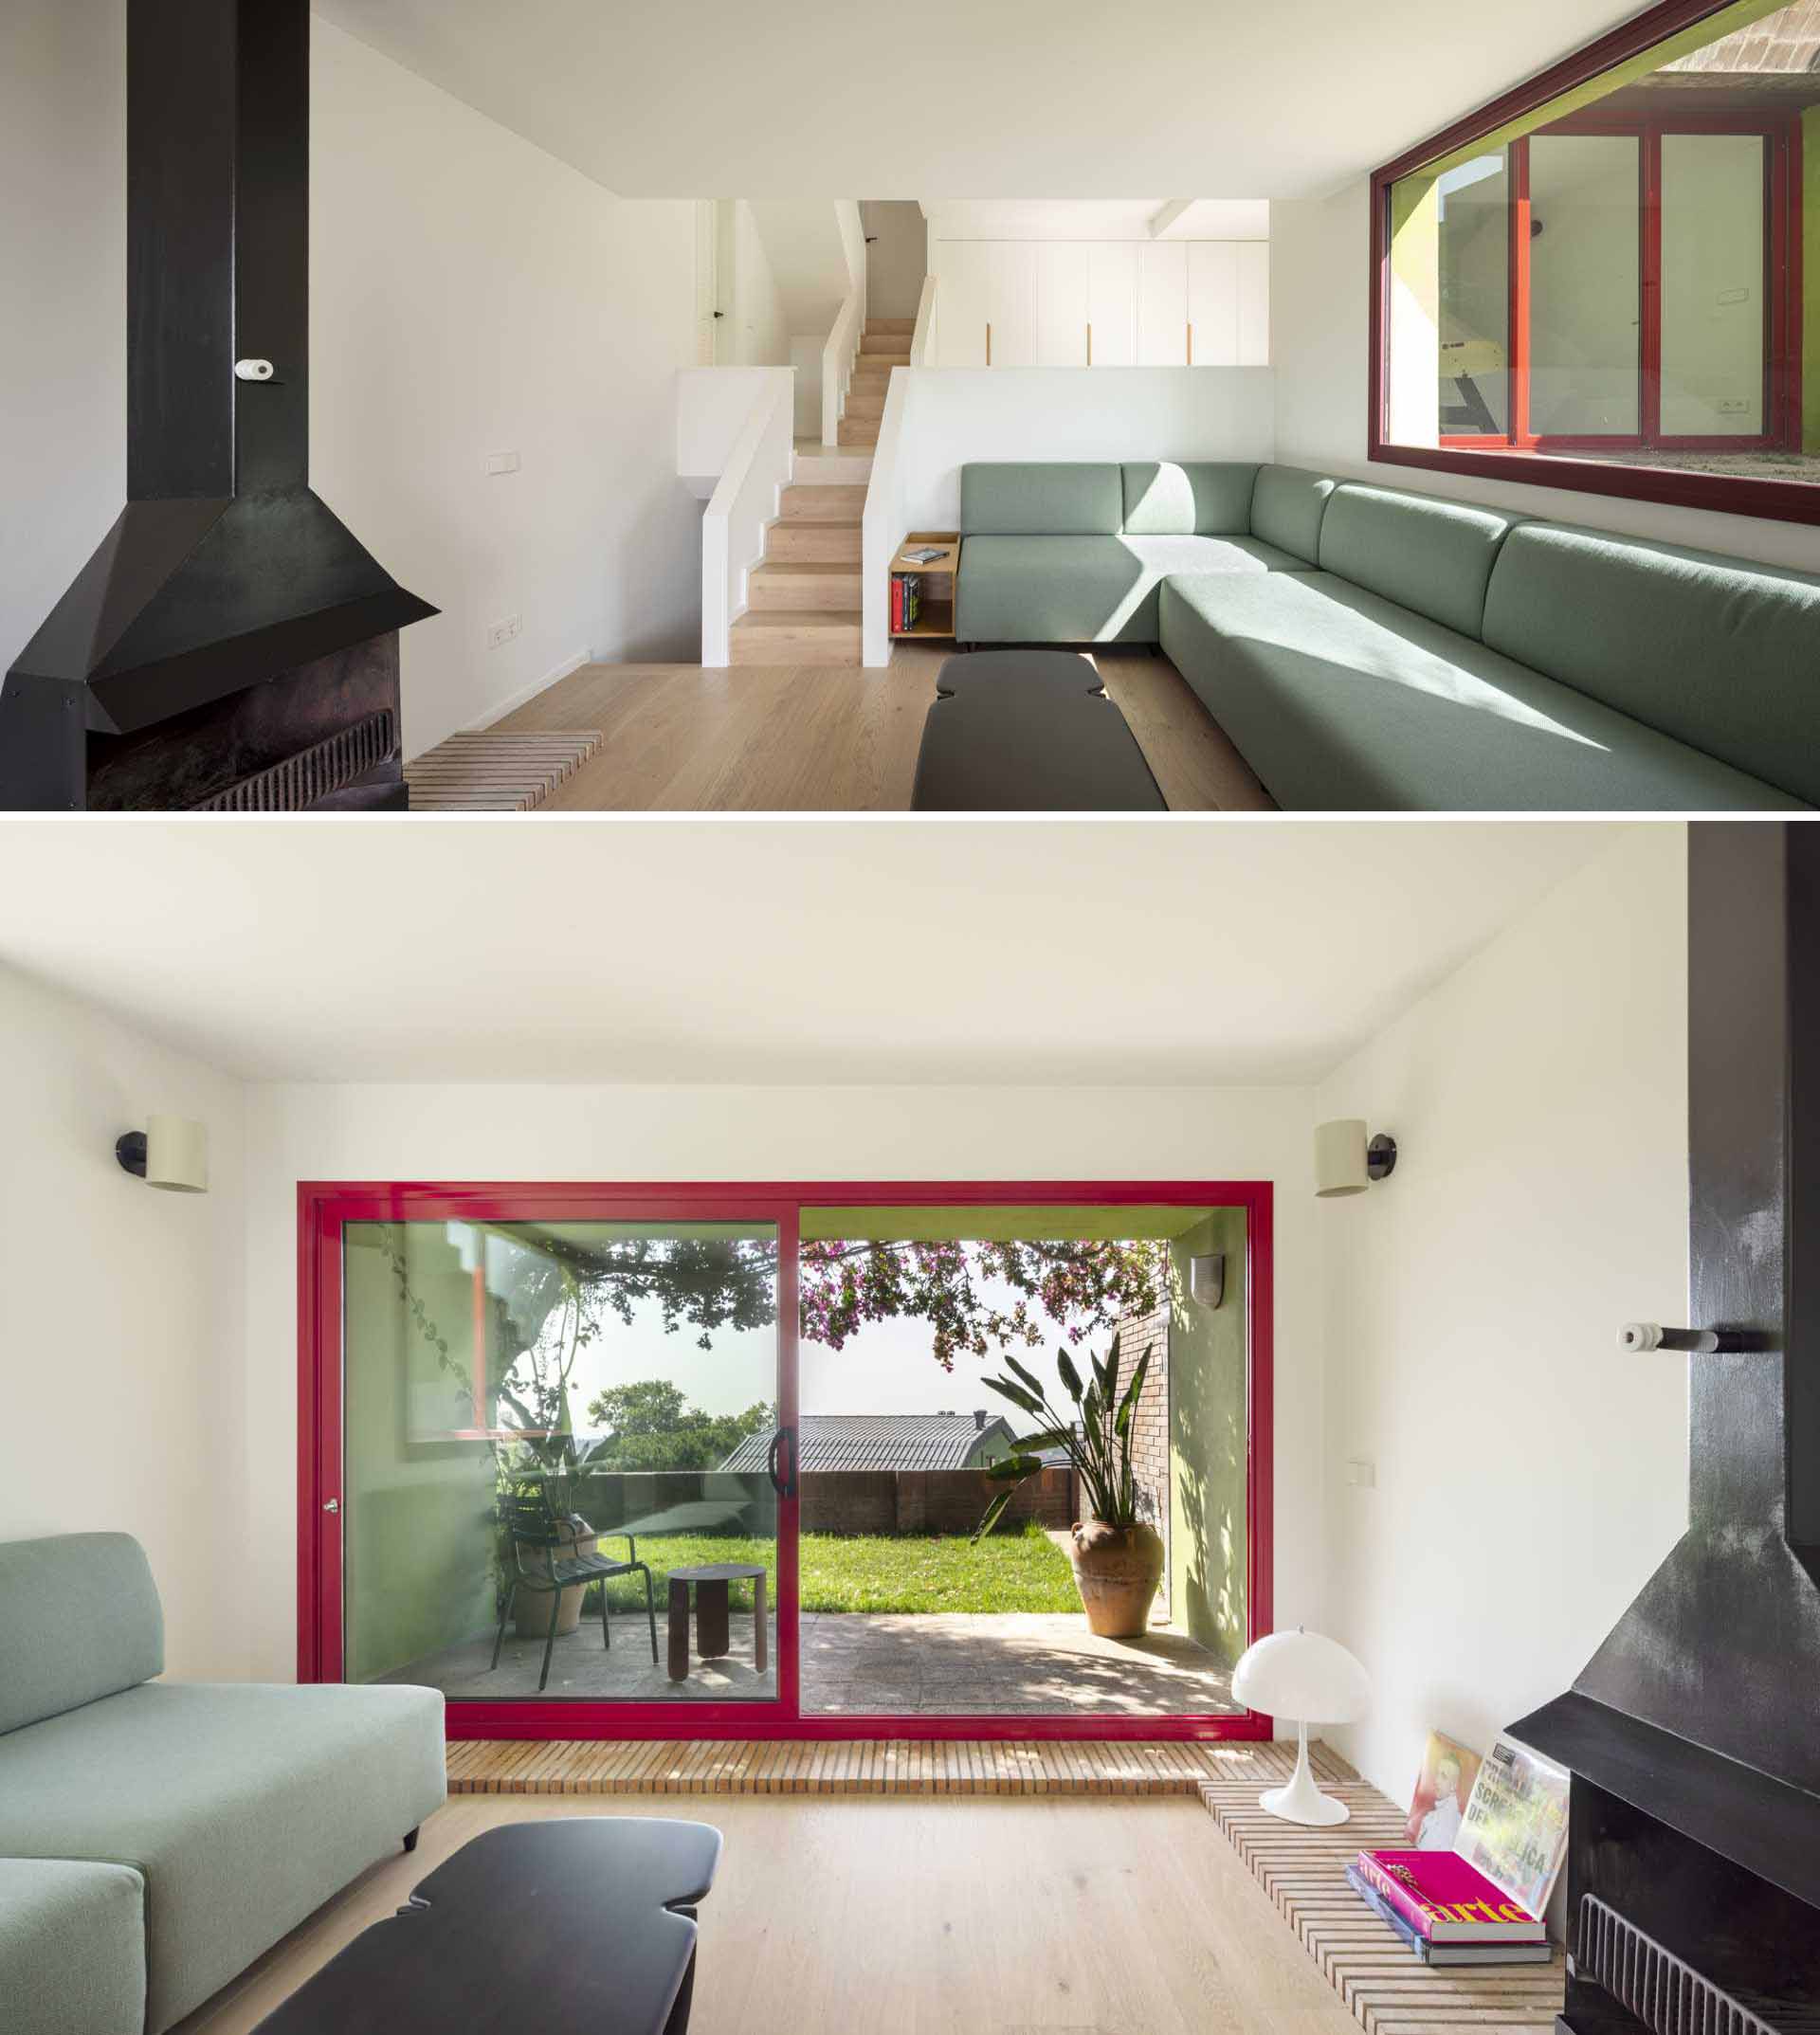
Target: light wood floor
[902, 1917]
[833, 738]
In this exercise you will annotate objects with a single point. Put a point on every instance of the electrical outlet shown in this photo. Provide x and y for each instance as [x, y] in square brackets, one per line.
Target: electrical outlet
[499, 632]
[1734, 405]
[500, 463]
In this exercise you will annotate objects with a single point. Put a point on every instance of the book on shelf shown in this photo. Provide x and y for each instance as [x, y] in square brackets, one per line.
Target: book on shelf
[922, 554]
[1445, 1900]
[1442, 1955]
[906, 602]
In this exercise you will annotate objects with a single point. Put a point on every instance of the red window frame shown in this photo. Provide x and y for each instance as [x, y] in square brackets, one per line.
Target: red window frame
[1520, 454]
[324, 1207]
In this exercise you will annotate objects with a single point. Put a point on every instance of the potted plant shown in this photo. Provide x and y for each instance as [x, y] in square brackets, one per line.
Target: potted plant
[1117, 1557]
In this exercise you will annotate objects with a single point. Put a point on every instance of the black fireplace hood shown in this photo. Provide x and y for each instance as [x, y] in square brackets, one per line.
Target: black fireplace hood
[224, 569]
[1703, 1707]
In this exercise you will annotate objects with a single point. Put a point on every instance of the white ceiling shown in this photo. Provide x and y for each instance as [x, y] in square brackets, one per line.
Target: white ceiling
[1075, 100]
[695, 950]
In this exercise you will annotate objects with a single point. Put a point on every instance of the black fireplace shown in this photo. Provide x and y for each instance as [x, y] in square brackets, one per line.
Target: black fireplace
[230, 645]
[1693, 1734]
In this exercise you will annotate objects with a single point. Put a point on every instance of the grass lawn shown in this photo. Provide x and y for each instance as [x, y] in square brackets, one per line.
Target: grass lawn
[1008, 1571]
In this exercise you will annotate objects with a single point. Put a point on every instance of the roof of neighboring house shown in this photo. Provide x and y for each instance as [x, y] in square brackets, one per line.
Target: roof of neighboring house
[884, 1441]
[1787, 41]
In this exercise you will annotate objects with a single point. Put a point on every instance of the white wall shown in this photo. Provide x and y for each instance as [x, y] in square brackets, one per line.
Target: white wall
[469, 295]
[1318, 279]
[956, 414]
[898, 256]
[1529, 1476]
[754, 331]
[533, 1132]
[123, 1353]
[63, 279]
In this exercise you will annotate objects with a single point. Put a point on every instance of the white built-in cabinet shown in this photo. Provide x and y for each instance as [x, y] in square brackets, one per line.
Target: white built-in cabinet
[986, 315]
[1101, 303]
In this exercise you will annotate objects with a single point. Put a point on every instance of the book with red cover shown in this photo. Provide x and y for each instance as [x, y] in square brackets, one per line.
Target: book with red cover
[1445, 1900]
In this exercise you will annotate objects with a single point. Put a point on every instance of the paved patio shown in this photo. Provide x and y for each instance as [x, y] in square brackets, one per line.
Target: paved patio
[1022, 1663]
[1015, 1664]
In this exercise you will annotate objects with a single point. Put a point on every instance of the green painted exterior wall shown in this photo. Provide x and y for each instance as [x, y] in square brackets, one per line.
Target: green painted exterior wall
[1810, 280]
[1210, 1552]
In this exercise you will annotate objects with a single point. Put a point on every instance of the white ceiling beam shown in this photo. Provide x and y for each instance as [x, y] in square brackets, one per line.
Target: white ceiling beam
[1166, 215]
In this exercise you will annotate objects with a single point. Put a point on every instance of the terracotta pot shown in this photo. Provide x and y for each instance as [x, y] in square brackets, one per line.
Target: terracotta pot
[531, 1610]
[1117, 1571]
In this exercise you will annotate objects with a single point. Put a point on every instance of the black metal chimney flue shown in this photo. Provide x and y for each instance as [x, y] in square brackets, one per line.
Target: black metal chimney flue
[224, 571]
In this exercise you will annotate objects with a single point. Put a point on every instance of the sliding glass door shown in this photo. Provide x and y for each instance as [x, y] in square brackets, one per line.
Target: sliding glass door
[1619, 286]
[564, 1466]
[552, 1461]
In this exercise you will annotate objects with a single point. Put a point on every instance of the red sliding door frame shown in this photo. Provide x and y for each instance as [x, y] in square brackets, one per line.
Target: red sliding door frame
[325, 1206]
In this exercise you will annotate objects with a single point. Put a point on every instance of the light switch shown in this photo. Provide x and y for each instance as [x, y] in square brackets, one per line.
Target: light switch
[1361, 1473]
[500, 463]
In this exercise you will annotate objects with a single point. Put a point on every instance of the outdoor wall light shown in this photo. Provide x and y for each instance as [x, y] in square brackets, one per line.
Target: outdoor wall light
[1344, 1163]
[170, 1152]
[1207, 1278]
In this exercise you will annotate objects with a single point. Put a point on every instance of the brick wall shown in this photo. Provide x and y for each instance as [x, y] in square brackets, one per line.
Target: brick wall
[1150, 1420]
[925, 1501]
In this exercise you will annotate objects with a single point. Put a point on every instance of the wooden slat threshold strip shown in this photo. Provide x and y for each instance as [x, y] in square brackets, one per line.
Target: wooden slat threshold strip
[863, 1767]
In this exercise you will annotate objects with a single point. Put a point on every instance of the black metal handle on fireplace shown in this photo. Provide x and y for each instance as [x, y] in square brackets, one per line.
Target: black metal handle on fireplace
[781, 1463]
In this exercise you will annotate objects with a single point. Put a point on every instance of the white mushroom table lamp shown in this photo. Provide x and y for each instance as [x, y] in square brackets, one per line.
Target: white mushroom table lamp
[1302, 1676]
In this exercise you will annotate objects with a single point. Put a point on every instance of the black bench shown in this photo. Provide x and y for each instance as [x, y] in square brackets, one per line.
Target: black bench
[570, 1927]
[1029, 730]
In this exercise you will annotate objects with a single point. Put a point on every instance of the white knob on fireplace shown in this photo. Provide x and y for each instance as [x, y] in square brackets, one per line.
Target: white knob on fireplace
[253, 371]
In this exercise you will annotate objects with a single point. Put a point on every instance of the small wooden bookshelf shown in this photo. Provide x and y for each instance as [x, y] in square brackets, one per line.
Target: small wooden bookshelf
[936, 616]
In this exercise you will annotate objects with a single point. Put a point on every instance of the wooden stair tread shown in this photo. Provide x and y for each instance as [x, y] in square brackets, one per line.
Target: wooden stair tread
[799, 617]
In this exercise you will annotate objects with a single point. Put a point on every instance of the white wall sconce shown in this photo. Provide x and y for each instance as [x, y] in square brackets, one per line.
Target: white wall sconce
[1207, 1279]
[171, 1152]
[1345, 1163]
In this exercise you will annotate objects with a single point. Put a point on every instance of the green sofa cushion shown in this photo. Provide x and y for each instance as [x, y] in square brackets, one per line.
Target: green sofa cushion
[72, 1947]
[1202, 499]
[244, 1807]
[1713, 650]
[1432, 556]
[1037, 498]
[1287, 505]
[79, 1619]
[1342, 700]
[1086, 590]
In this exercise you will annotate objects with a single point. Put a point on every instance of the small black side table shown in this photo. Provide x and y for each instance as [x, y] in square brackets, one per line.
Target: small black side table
[569, 1927]
[713, 1622]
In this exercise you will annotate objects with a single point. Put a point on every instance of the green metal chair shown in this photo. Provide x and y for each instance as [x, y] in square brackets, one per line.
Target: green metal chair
[532, 1523]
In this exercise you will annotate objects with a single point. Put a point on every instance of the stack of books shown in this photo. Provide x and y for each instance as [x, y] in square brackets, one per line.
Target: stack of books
[1446, 1910]
[906, 602]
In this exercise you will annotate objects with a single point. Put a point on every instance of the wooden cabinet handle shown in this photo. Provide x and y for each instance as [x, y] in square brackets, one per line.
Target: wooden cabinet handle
[1190, 343]
[1089, 342]
[989, 342]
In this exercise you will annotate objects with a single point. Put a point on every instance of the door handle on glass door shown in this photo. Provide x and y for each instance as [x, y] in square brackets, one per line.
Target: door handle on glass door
[333, 1504]
[783, 1450]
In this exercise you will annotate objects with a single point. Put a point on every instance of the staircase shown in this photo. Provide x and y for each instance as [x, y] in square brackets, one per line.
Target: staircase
[803, 603]
[884, 345]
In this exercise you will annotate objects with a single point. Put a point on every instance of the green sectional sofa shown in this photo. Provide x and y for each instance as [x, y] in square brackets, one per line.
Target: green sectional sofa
[1371, 649]
[157, 1837]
